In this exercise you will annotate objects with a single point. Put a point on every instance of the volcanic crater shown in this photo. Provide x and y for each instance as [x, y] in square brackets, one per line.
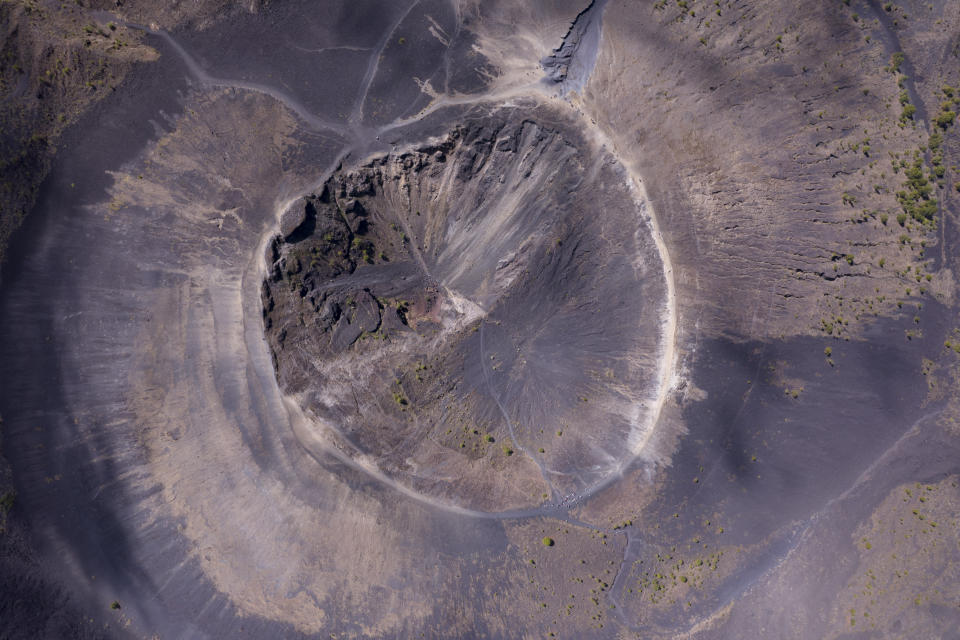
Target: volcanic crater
[480, 317]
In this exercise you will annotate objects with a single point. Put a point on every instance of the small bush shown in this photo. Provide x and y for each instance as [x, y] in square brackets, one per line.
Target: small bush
[548, 542]
[896, 61]
[945, 119]
[6, 501]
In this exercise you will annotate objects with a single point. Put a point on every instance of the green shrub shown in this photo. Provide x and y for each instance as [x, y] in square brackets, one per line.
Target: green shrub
[945, 119]
[924, 210]
[6, 501]
[896, 61]
[548, 542]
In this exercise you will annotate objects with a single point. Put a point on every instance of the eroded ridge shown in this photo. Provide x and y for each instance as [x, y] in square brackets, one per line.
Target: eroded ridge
[479, 317]
[569, 66]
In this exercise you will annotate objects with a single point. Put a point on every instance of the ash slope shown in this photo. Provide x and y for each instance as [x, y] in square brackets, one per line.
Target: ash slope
[480, 316]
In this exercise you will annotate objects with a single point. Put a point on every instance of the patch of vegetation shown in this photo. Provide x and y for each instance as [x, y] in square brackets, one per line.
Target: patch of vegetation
[908, 112]
[945, 118]
[6, 502]
[915, 198]
[896, 61]
[665, 577]
[548, 542]
[948, 114]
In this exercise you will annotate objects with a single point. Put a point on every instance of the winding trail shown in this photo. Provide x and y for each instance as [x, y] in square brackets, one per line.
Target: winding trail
[204, 78]
[669, 319]
[374, 63]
